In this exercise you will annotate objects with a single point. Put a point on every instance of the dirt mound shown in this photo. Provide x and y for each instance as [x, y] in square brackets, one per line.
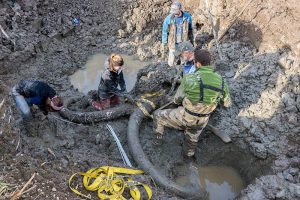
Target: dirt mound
[154, 78]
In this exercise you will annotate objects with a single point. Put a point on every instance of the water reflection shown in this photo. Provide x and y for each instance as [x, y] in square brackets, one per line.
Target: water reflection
[221, 182]
[88, 78]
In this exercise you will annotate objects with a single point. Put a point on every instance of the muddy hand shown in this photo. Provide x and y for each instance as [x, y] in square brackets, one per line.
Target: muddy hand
[158, 136]
[129, 98]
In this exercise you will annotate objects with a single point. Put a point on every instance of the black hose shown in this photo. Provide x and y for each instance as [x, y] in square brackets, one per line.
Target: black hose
[96, 116]
[192, 191]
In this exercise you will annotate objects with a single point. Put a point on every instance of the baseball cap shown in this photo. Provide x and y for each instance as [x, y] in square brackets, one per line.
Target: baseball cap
[175, 7]
[184, 46]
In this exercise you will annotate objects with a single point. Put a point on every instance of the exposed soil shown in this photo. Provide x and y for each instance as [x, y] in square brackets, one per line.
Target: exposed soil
[258, 57]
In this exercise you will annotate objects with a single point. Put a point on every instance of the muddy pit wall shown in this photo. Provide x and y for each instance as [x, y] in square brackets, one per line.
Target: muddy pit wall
[267, 25]
[264, 117]
[259, 60]
[42, 30]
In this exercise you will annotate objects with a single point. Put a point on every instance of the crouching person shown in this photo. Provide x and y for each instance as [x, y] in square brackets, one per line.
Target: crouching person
[108, 92]
[185, 51]
[32, 92]
[197, 96]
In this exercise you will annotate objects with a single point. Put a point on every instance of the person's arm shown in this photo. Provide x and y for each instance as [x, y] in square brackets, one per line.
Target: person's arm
[106, 64]
[190, 32]
[226, 96]
[111, 85]
[45, 110]
[44, 107]
[179, 96]
[122, 82]
[164, 35]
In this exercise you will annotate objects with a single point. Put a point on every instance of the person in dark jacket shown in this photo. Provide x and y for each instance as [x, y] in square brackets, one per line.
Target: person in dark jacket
[112, 77]
[38, 93]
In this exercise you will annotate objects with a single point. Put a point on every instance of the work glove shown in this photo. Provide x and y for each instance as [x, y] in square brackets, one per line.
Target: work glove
[178, 78]
[129, 98]
[169, 98]
[158, 136]
[159, 140]
[164, 49]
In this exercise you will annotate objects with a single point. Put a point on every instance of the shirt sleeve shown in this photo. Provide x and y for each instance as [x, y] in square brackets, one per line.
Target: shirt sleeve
[165, 31]
[110, 85]
[106, 64]
[226, 96]
[190, 23]
[122, 83]
[191, 33]
[179, 96]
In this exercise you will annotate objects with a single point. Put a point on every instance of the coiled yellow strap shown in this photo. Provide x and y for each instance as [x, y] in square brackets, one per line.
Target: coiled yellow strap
[110, 184]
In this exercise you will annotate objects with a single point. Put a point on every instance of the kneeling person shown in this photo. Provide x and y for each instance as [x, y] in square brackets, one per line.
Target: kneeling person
[38, 93]
[112, 77]
[197, 96]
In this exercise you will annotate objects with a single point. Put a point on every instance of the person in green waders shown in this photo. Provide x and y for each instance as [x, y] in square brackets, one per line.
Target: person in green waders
[197, 97]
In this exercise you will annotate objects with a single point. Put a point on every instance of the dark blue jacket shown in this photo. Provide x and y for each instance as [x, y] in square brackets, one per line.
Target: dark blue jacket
[109, 83]
[35, 92]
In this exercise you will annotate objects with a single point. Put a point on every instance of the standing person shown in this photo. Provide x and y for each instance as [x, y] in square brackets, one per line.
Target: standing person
[33, 92]
[177, 28]
[197, 96]
[112, 77]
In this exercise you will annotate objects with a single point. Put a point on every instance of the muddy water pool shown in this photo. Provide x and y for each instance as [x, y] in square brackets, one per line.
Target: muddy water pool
[221, 182]
[88, 78]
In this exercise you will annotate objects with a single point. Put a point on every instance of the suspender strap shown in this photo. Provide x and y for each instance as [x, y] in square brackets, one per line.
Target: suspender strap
[201, 90]
[196, 114]
[212, 88]
[222, 84]
[205, 86]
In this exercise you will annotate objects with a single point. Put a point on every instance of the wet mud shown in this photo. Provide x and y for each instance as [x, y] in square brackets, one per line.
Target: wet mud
[263, 76]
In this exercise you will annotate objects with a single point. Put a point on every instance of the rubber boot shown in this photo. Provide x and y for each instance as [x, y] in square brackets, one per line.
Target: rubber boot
[189, 148]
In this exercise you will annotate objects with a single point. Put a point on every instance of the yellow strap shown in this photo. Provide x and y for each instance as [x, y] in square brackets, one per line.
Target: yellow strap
[109, 184]
[143, 109]
[75, 190]
[156, 94]
[149, 102]
[135, 193]
[143, 99]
